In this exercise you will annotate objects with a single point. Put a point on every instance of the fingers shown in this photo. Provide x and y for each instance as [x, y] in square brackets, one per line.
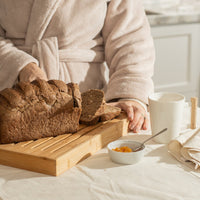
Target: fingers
[146, 124]
[136, 115]
[128, 108]
[130, 113]
[137, 123]
[31, 72]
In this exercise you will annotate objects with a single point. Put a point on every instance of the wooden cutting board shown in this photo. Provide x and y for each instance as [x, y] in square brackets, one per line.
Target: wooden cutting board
[54, 155]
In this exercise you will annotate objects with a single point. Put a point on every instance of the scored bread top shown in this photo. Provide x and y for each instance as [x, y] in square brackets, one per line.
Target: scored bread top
[30, 111]
[24, 93]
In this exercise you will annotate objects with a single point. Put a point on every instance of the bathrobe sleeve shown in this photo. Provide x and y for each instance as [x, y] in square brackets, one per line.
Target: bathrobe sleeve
[12, 60]
[129, 51]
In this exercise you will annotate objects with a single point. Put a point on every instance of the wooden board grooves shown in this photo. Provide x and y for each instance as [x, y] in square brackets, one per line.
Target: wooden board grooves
[73, 137]
[52, 142]
[27, 143]
[39, 142]
[54, 155]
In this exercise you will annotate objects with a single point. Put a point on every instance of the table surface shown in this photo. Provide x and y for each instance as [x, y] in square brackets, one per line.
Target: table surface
[157, 176]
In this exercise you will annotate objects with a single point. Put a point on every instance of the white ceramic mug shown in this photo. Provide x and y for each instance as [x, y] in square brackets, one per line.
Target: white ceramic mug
[166, 111]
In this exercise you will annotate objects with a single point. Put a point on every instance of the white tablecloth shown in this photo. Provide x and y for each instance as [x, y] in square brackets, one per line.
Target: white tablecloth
[157, 176]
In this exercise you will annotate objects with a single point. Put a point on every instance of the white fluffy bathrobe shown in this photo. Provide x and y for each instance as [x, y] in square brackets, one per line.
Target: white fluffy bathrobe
[71, 39]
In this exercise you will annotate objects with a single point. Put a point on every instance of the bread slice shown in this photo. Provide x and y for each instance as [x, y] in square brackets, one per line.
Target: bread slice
[110, 112]
[94, 108]
[38, 109]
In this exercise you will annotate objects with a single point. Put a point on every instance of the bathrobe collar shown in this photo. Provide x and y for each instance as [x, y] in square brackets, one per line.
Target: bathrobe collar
[41, 14]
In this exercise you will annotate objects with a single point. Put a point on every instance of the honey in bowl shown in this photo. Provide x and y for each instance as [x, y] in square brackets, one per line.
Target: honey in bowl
[124, 149]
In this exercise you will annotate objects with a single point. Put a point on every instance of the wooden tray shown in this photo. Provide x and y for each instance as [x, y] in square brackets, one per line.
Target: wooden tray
[54, 155]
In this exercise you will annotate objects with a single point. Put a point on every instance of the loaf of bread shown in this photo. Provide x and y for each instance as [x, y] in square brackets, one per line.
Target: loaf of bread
[94, 108]
[30, 111]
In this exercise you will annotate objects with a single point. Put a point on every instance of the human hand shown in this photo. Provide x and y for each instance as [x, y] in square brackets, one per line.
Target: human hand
[31, 72]
[137, 115]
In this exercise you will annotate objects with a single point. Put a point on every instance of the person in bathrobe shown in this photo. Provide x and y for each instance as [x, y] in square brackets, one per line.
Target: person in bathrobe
[78, 41]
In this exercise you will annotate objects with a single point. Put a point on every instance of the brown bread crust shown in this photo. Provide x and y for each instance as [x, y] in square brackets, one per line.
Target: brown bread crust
[38, 109]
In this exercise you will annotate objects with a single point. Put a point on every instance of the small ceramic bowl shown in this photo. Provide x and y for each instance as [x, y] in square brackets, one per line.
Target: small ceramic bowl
[125, 157]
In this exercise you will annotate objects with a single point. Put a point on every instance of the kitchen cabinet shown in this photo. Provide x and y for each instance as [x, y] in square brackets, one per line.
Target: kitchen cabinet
[177, 66]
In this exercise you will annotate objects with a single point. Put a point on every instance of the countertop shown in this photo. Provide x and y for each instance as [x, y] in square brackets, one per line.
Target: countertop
[173, 19]
[174, 15]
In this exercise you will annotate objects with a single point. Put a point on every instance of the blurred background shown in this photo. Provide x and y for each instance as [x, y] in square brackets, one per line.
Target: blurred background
[175, 26]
